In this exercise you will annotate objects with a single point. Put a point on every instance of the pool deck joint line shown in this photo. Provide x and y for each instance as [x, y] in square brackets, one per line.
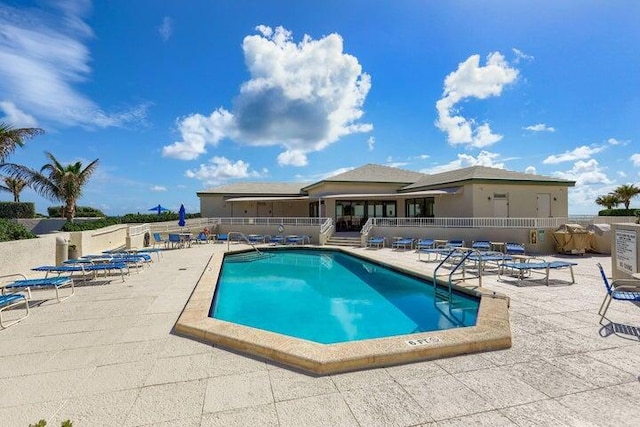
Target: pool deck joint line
[491, 332]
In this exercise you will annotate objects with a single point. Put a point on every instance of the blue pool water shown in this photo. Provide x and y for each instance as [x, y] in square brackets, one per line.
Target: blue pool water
[329, 297]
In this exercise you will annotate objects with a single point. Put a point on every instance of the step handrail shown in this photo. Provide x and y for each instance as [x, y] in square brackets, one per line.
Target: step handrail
[245, 238]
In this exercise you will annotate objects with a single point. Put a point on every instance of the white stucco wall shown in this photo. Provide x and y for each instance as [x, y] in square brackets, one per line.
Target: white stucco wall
[20, 256]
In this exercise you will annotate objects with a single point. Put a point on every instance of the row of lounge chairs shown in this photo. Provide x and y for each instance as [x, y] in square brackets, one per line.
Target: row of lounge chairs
[510, 248]
[17, 288]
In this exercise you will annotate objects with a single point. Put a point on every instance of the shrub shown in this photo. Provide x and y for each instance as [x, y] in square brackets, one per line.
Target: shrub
[81, 211]
[619, 212]
[10, 230]
[146, 218]
[90, 225]
[17, 210]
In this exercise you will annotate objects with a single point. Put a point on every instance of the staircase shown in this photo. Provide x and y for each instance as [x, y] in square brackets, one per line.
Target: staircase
[344, 241]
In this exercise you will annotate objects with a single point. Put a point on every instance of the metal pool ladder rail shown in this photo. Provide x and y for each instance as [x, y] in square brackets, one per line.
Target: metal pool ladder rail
[452, 257]
[243, 237]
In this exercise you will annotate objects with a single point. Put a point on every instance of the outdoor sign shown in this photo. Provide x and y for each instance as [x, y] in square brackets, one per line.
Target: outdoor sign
[626, 244]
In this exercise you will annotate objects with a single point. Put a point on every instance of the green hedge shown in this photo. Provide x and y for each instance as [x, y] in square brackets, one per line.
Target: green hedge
[144, 218]
[81, 211]
[17, 210]
[91, 225]
[619, 212]
[10, 230]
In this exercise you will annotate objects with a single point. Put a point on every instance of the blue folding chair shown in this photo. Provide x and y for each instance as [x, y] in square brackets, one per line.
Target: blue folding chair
[620, 289]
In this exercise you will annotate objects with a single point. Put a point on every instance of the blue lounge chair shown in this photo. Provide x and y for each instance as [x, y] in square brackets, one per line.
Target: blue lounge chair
[297, 240]
[378, 242]
[511, 248]
[256, 238]
[454, 244]
[620, 289]
[425, 244]
[49, 282]
[224, 237]
[481, 245]
[523, 270]
[276, 240]
[404, 243]
[157, 240]
[84, 268]
[9, 301]
[202, 238]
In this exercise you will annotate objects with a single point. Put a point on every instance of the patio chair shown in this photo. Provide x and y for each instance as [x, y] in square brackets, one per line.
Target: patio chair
[175, 240]
[403, 243]
[378, 242]
[223, 237]
[157, 240]
[620, 289]
[276, 240]
[523, 270]
[10, 301]
[202, 238]
[511, 248]
[425, 244]
[49, 282]
[454, 243]
[481, 245]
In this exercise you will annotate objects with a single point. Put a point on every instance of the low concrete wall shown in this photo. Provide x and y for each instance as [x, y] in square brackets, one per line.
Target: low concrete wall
[47, 225]
[97, 241]
[625, 250]
[20, 256]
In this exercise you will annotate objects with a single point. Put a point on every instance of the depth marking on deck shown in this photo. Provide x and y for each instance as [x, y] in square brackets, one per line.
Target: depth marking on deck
[424, 341]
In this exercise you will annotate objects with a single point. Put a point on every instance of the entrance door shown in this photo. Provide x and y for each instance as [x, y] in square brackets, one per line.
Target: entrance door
[544, 205]
[500, 206]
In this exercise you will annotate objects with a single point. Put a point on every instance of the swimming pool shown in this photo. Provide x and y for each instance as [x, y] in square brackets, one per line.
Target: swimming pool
[328, 296]
[491, 331]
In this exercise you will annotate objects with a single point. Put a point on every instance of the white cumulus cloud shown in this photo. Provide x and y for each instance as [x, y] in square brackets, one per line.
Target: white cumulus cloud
[471, 80]
[485, 158]
[220, 169]
[43, 55]
[579, 153]
[16, 117]
[540, 127]
[635, 159]
[158, 188]
[530, 169]
[301, 96]
[585, 173]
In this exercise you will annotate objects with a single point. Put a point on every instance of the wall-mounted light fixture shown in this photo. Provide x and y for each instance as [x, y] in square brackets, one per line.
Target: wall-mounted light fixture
[488, 197]
[555, 199]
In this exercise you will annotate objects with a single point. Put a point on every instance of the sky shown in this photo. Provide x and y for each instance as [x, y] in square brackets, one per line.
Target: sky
[177, 97]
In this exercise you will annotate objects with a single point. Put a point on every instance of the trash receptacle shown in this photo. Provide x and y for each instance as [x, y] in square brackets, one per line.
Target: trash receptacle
[62, 250]
[601, 238]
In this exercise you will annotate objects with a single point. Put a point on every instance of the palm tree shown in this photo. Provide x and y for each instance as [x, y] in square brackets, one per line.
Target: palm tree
[625, 193]
[11, 137]
[609, 201]
[13, 185]
[56, 181]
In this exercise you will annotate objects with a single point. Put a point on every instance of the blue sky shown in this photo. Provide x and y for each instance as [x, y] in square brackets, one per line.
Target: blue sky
[176, 97]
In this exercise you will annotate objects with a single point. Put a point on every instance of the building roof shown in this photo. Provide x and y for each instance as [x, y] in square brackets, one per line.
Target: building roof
[483, 173]
[258, 188]
[373, 173]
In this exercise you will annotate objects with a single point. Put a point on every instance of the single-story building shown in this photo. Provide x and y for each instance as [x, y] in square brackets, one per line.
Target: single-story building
[376, 191]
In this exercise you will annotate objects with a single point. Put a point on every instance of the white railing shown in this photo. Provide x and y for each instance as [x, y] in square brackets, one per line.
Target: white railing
[136, 230]
[296, 221]
[326, 225]
[470, 222]
[366, 228]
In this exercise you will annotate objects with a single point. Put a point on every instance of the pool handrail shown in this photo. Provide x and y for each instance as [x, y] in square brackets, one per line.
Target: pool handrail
[243, 237]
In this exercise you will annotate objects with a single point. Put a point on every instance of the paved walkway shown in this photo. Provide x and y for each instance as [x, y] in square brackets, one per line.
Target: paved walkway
[106, 357]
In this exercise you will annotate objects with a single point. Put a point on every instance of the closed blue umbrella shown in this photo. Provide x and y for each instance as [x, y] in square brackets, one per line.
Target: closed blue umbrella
[182, 216]
[159, 209]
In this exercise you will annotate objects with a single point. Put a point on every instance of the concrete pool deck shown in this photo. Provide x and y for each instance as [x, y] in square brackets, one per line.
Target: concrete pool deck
[107, 357]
